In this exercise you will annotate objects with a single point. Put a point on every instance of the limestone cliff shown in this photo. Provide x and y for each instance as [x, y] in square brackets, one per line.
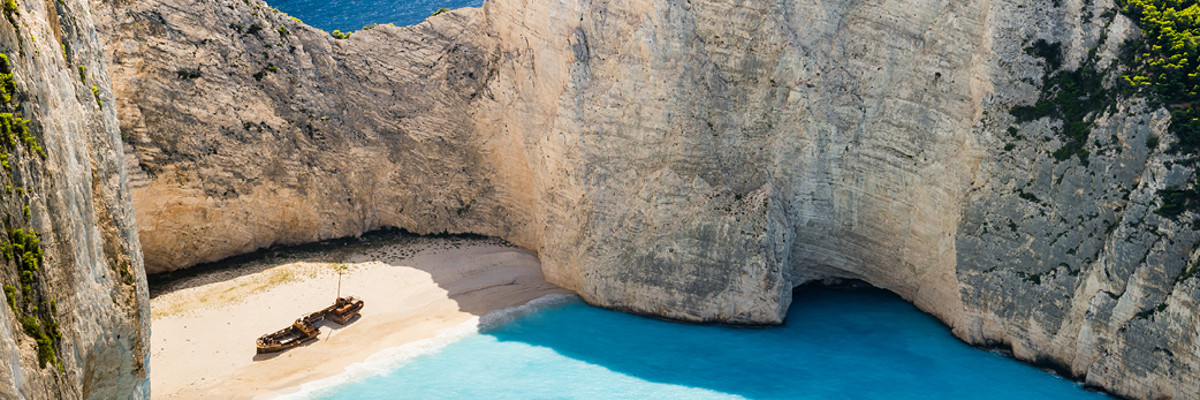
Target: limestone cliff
[691, 160]
[76, 319]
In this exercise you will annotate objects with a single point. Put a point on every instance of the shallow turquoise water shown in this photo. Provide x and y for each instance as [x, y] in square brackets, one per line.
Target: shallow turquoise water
[838, 344]
[352, 15]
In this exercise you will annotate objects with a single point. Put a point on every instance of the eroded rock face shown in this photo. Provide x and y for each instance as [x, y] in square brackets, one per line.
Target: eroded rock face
[75, 199]
[275, 124]
[690, 160]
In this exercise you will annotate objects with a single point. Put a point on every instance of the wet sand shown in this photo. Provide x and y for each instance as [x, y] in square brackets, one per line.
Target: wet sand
[204, 327]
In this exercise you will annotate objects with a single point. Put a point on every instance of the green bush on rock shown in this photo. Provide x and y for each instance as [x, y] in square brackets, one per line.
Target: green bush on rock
[96, 94]
[1166, 62]
[21, 248]
[11, 12]
[1165, 66]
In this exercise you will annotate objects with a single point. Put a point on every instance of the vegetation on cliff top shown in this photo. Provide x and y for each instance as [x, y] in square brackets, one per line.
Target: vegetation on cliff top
[1162, 66]
[1165, 67]
[1166, 63]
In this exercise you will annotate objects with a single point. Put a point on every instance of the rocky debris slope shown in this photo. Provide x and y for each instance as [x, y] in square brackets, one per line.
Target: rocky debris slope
[690, 160]
[77, 318]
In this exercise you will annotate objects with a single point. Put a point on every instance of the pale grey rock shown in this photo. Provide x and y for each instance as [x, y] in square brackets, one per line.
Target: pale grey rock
[694, 160]
[80, 204]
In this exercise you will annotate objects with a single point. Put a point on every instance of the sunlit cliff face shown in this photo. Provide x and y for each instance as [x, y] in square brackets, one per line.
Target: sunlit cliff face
[75, 321]
[686, 160]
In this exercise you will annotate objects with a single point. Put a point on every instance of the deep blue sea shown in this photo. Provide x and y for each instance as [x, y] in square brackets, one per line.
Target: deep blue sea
[837, 344]
[352, 15]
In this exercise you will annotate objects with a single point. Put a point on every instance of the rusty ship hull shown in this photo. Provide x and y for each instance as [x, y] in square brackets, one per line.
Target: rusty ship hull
[303, 330]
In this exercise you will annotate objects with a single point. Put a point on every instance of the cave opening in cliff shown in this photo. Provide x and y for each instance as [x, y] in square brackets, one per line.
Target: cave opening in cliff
[835, 283]
[826, 286]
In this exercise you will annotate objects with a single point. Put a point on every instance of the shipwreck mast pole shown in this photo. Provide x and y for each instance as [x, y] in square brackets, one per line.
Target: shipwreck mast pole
[340, 268]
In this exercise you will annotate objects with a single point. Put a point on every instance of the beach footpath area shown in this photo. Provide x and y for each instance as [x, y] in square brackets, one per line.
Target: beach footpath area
[204, 326]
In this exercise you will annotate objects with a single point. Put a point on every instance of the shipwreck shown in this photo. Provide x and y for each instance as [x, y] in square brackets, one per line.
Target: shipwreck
[304, 329]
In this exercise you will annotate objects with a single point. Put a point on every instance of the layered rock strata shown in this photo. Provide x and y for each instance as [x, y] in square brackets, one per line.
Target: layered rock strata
[689, 160]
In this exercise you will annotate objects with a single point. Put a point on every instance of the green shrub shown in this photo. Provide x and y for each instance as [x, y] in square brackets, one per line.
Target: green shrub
[45, 344]
[188, 73]
[1051, 53]
[22, 247]
[1166, 63]
[1188, 272]
[1075, 97]
[96, 94]
[15, 130]
[11, 12]
[1176, 201]
[339, 35]
[1150, 312]
[439, 11]
[126, 273]
[8, 86]
[10, 293]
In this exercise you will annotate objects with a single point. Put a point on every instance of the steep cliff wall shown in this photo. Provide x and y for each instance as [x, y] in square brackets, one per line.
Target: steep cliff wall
[246, 126]
[76, 320]
[692, 160]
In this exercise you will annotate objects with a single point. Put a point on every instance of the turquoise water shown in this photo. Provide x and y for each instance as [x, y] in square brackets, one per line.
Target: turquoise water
[838, 344]
[352, 15]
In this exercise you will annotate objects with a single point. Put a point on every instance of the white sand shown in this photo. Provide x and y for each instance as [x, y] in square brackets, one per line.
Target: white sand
[203, 336]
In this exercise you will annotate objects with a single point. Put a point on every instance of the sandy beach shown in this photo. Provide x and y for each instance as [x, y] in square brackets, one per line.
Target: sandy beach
[204, 327]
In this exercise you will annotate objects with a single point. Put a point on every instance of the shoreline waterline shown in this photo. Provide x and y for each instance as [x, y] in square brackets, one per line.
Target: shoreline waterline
[414, 289]
[395, 357]
[425, 295]
[857, 343]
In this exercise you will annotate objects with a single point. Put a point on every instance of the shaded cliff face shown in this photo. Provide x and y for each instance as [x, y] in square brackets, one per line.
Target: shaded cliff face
[690, 160]
[76, 320]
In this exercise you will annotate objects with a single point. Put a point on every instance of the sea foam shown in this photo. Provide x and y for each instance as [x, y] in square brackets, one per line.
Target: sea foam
[395, 357]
